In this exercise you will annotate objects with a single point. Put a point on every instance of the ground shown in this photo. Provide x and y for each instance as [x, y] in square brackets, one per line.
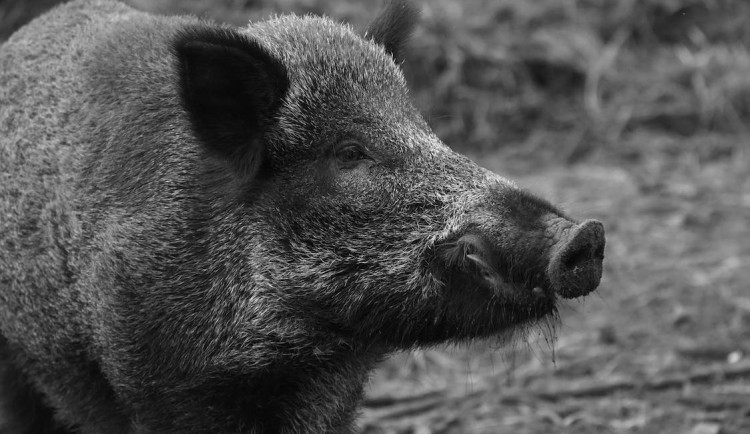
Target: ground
[632, 112]
[661, 347]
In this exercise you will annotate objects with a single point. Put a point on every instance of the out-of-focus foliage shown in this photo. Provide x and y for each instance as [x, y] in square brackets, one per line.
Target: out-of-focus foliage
[498, 72]
[563, 76]
[15, 13]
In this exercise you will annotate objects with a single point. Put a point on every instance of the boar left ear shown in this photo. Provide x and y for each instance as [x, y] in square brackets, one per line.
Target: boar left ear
[231, 88]
[393, 27]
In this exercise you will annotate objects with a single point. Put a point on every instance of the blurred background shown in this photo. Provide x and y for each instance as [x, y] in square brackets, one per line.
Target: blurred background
[634, 112]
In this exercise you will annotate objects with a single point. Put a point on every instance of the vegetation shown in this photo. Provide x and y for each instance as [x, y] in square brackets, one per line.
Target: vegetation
[635, 112]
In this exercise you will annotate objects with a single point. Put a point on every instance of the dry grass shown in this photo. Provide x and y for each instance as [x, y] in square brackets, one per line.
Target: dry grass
[632, 111]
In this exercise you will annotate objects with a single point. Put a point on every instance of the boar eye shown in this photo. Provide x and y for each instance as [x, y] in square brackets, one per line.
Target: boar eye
[350, 153]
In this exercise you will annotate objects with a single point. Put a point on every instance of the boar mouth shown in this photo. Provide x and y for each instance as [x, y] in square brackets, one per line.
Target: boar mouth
[471, 260]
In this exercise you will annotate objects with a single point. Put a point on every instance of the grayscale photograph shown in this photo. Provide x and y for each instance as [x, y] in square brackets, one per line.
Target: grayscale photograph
[374, 216]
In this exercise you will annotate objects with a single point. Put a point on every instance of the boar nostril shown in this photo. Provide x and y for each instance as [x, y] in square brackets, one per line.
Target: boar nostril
[578, 256]
[576, 261]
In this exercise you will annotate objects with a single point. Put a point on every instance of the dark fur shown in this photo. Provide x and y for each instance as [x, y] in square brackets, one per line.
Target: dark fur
[393, 27]
[217, 66]
[210, 229]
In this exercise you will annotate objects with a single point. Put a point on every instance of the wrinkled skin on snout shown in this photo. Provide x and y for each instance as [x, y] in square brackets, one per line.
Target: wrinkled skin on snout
[211, 229]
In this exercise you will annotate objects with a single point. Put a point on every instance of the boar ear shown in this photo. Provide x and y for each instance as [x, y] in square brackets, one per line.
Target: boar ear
[393, 27]
[231, 88]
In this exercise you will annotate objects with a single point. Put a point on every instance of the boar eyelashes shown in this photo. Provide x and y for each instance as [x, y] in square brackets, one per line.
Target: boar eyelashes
[351, 153]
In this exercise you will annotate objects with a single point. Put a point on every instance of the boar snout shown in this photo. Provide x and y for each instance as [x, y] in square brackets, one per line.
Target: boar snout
[575, 267]
[523, 250]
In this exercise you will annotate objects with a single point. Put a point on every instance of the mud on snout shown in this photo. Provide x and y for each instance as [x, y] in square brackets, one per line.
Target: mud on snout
[514, 255]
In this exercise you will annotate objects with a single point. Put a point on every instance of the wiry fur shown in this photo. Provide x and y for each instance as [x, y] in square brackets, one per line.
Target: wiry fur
[170, 268]
[393, 27]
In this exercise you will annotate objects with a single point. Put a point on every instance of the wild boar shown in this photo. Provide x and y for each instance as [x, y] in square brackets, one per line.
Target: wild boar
[216, 229]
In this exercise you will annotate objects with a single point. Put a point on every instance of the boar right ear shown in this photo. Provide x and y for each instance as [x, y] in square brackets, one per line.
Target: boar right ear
[393, 27]
[231, 88]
